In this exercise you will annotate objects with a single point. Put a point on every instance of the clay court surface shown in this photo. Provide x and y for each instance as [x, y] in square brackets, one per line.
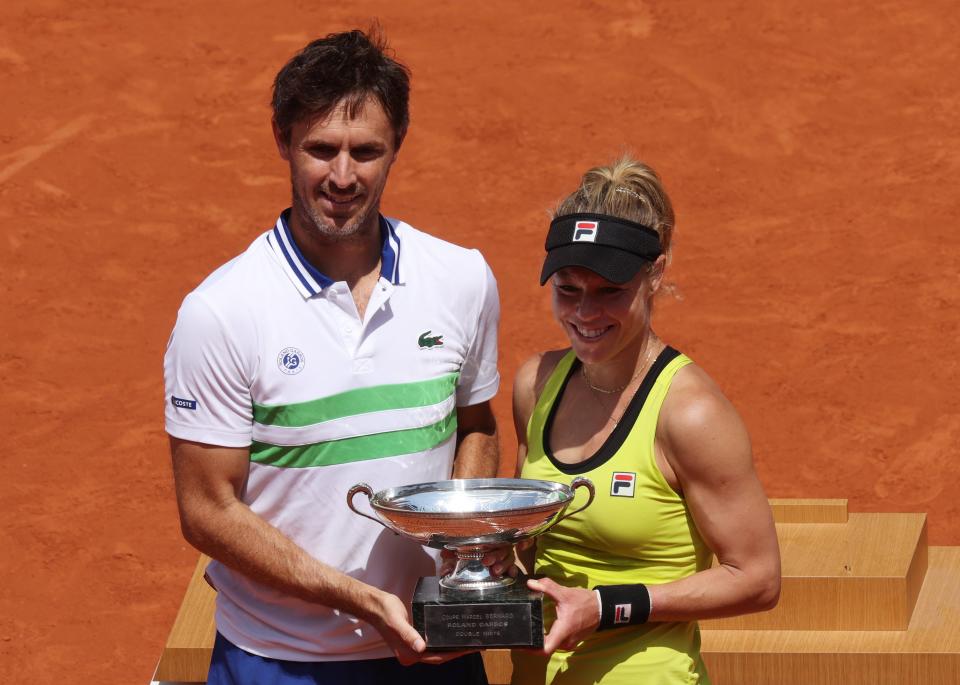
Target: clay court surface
[812, 150]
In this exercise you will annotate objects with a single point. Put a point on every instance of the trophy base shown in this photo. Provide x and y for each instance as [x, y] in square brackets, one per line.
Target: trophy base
[478, 619]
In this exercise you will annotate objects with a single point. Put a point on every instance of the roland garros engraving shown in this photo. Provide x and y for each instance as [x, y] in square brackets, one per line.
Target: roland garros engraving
[456, 624]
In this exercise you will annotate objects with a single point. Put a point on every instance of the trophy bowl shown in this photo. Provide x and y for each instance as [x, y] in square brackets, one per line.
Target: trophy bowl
[471, 516]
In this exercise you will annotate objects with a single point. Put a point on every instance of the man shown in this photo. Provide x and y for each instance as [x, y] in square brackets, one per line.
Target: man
[341, 347]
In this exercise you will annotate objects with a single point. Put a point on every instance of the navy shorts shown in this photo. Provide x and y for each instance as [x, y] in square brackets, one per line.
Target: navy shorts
[230, 665]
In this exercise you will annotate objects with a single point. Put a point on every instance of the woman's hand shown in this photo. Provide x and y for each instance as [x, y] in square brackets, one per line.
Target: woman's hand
[500, 560]
[578, 614]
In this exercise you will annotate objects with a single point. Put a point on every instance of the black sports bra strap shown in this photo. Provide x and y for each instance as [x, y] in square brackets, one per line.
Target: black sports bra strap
[619, 434]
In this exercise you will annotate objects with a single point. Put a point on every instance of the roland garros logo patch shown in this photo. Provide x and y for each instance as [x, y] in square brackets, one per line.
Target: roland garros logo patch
[291, 361]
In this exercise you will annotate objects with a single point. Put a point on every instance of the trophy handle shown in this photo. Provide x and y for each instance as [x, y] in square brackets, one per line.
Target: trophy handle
[576, 483]
[368, 491]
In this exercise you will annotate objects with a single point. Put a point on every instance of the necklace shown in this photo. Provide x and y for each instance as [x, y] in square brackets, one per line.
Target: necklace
[604, 391]
[614, 391]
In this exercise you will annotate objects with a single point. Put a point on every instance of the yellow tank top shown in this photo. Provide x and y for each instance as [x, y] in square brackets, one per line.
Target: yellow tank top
[638, 530]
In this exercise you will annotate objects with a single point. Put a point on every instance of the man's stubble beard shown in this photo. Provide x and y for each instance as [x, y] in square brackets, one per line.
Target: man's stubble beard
[320, 225]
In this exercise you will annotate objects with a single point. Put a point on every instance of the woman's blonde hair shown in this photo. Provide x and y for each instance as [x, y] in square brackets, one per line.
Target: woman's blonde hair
[627, 189]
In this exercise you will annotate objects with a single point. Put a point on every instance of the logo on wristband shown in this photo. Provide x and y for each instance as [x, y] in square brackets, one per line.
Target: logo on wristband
[621, 613]
[622, 484]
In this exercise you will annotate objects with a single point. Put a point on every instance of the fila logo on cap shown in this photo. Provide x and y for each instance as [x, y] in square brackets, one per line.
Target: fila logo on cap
[621, 613]
[585, 232]
[622, 484]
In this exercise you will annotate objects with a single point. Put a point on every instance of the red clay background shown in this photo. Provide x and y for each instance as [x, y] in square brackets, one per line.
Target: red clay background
[811, 148]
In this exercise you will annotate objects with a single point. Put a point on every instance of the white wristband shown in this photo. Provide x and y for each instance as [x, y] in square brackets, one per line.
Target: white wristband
[599, 607]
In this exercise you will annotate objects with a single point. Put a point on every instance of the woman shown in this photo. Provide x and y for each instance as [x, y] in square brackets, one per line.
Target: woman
[668, 455]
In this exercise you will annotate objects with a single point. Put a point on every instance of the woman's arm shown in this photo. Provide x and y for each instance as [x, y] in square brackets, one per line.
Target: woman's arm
[524, 400]
[704, 451]
[527, 386]
[703, 441]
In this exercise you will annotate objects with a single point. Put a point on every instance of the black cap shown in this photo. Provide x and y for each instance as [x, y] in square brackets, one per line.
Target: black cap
[611, 247]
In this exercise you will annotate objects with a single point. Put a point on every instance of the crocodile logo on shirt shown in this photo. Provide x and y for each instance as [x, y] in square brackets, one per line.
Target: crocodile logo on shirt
[426, 341]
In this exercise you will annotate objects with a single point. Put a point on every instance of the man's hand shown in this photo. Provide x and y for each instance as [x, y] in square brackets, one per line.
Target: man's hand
[392, 621]
[578, 614]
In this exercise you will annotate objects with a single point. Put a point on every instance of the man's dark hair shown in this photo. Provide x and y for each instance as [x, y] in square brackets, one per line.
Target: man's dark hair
[342, 67]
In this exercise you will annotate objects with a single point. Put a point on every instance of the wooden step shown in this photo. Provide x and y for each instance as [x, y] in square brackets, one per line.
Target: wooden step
[498, 665]
[927, 652]
[809, 510]
[864, 574]
[186, 656]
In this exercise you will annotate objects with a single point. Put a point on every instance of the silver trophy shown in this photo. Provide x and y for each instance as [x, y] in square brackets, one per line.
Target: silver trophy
[471, 517]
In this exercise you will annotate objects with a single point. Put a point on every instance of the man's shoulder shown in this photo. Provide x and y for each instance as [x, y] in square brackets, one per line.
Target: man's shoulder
[424, 255]
[427, 242]
[236, 275]
[231, 292]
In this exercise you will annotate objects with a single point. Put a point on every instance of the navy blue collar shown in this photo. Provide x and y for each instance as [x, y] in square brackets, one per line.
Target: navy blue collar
[308, 278]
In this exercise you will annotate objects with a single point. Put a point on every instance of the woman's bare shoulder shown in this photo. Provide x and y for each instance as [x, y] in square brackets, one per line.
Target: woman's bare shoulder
[697, 417]
[534, 372]
[692, 382]
[529, 381]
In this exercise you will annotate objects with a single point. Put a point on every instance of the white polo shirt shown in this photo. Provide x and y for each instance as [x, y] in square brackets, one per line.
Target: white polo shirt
[269, 353]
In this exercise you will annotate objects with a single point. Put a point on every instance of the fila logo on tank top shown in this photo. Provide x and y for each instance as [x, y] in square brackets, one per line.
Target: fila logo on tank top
[622, 484]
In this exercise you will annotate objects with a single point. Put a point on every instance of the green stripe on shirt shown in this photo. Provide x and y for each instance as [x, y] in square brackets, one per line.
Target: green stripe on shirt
[358, 401]
[362, 448]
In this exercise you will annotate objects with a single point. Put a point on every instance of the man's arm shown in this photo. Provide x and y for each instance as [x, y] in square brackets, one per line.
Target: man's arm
[213, 519]
[477, 456]
[478, 447]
